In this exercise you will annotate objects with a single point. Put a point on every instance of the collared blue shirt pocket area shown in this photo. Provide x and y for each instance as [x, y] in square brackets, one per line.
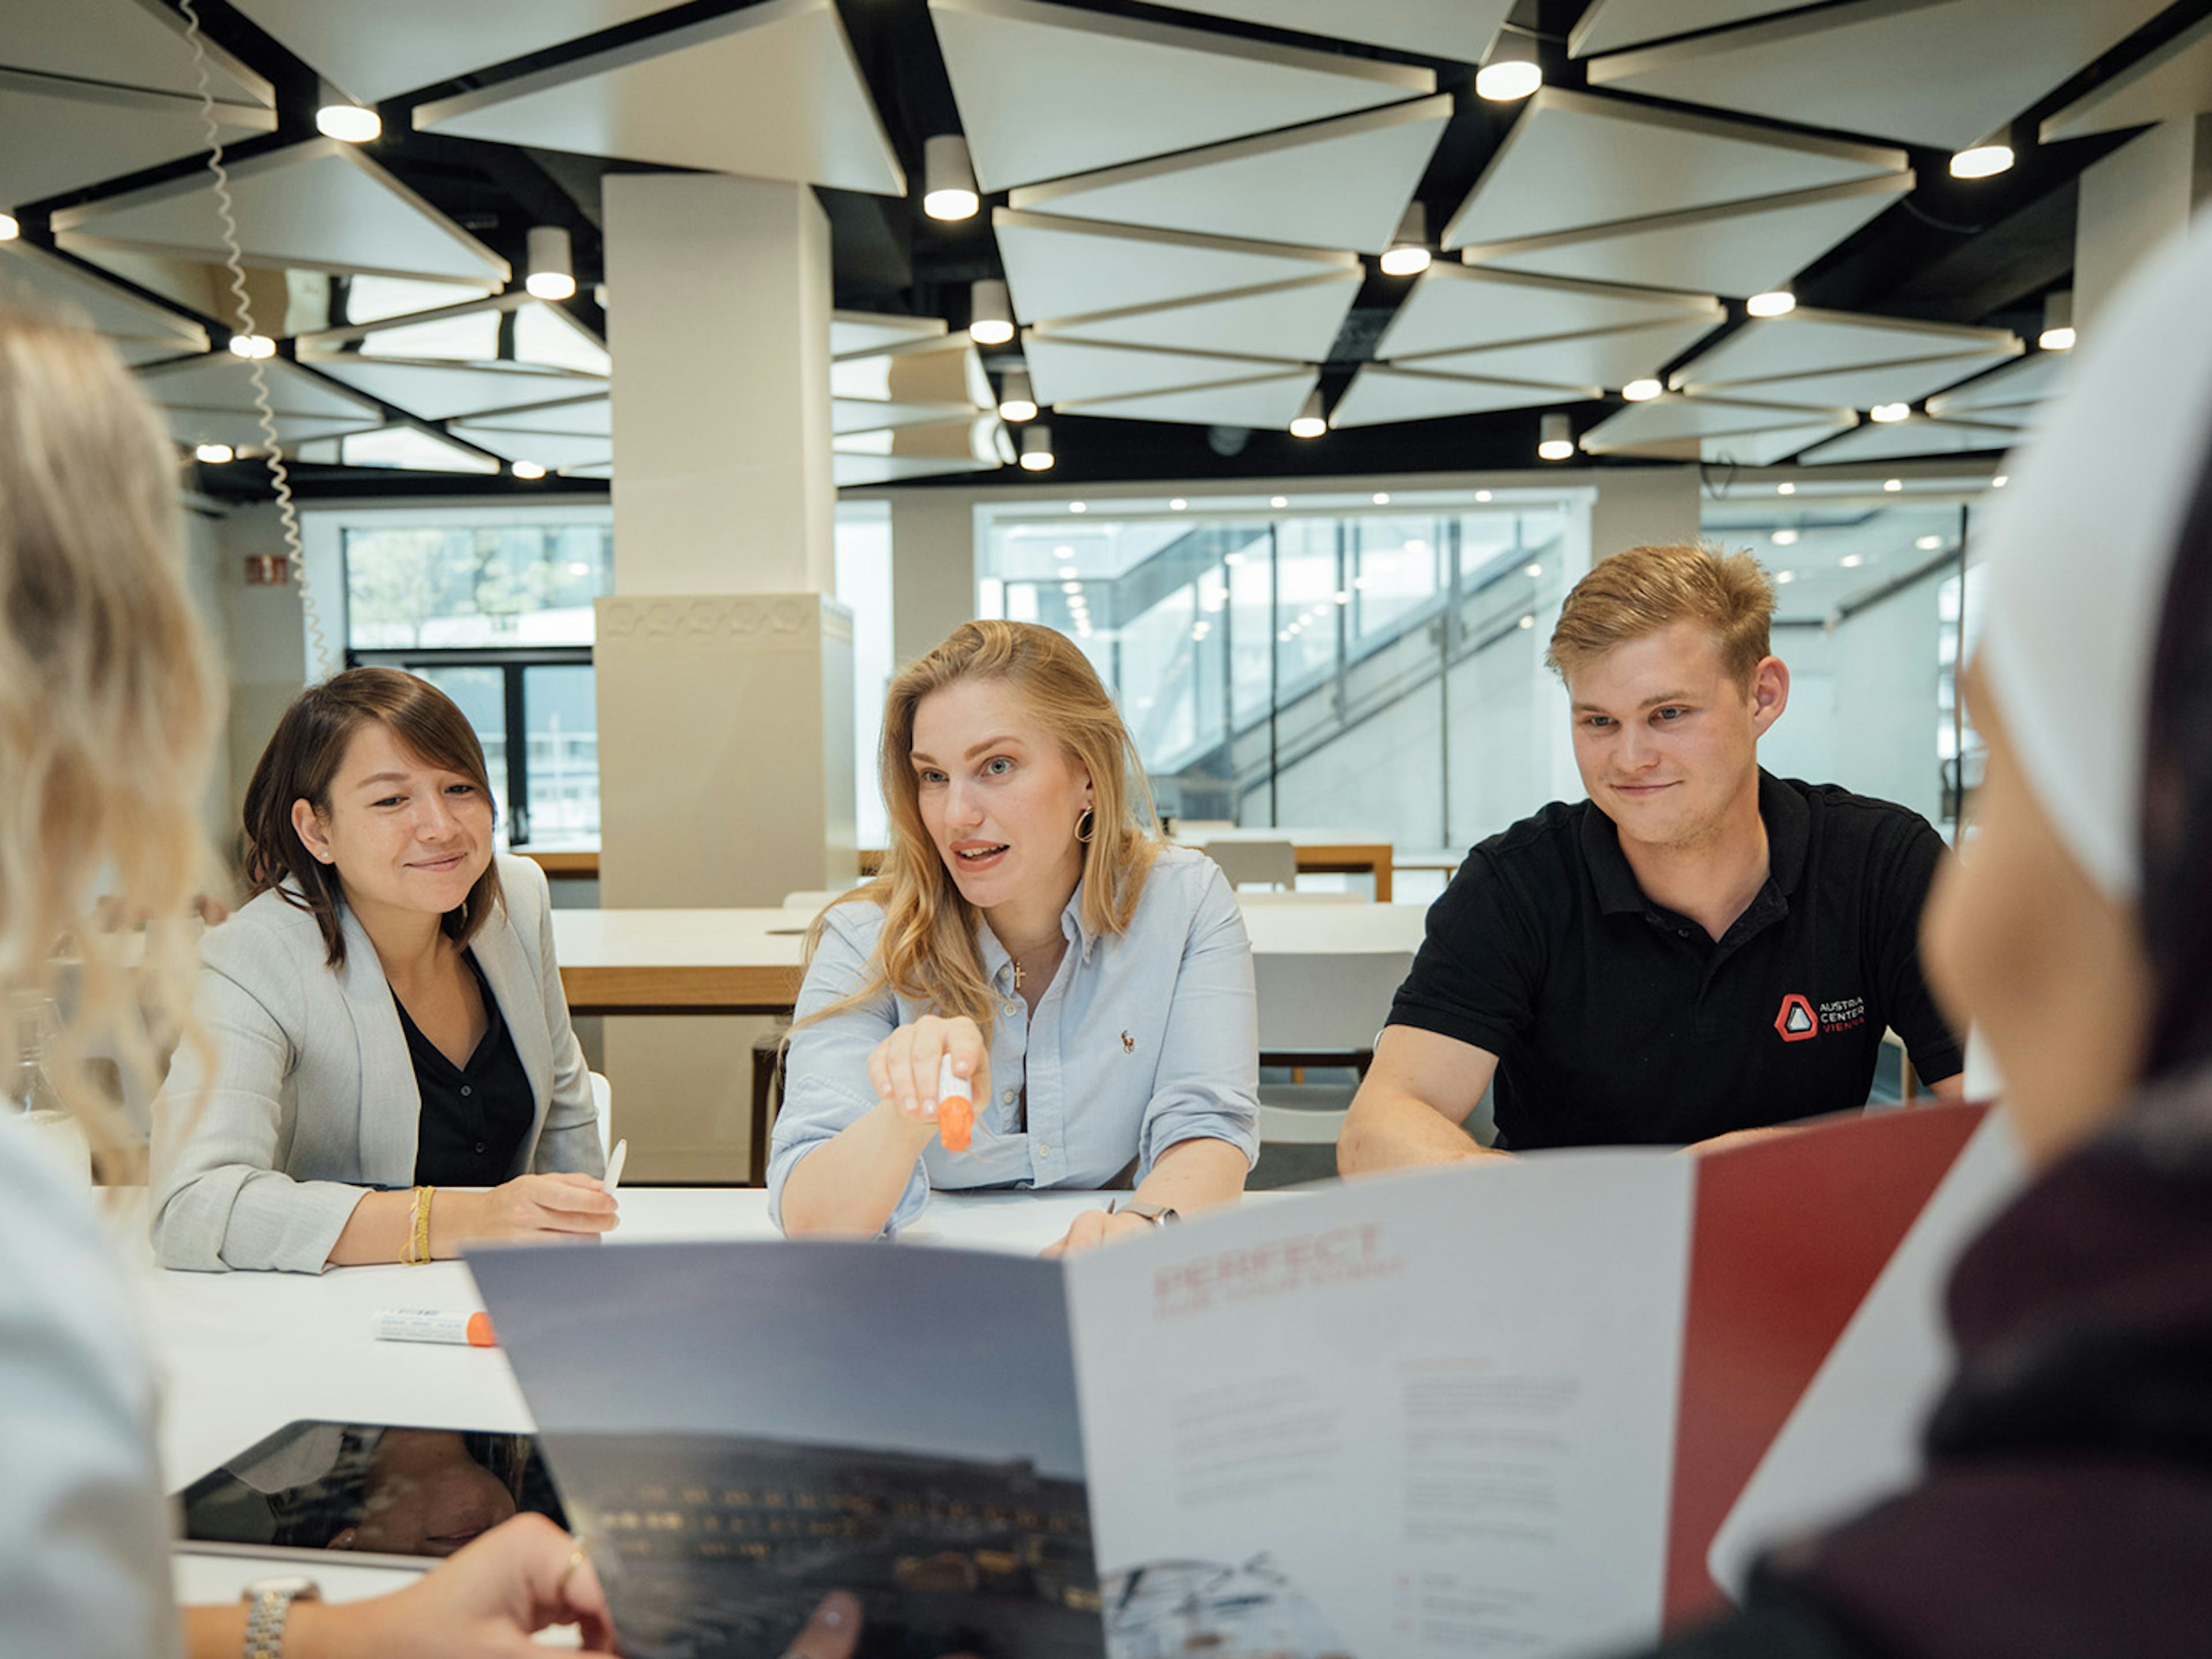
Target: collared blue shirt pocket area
[1143, 1040]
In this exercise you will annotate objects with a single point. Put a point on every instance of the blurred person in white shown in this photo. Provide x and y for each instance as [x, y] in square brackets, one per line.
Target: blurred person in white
[2065, 1506]
[108, 711]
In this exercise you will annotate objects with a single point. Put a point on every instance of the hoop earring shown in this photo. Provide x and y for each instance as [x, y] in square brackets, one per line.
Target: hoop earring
[1086, 826]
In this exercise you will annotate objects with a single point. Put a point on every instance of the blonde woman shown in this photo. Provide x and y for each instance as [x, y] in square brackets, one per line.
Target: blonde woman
[1092, 986]
[107, 715]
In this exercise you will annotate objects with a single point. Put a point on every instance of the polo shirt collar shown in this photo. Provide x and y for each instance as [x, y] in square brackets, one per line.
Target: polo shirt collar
[1789, 832]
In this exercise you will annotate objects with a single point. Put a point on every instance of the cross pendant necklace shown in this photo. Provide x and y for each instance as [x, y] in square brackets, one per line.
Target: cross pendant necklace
[1017, 976]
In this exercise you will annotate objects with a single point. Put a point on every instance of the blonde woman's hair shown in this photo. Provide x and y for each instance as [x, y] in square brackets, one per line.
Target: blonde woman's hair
[1647, 589]
[108, 711]
[928, 950]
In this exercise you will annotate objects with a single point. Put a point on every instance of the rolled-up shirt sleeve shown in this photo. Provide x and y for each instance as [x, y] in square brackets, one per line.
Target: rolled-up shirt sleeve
[825, 1077]
[1207, 1084]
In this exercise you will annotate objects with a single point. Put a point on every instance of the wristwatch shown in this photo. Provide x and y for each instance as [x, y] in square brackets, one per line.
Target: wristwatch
[270, 1602]
[1159, 1214]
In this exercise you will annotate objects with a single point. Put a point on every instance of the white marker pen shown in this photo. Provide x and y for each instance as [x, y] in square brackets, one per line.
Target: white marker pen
[433, 1325]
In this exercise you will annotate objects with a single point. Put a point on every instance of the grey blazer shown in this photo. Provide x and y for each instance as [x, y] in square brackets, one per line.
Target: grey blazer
[312, 1097]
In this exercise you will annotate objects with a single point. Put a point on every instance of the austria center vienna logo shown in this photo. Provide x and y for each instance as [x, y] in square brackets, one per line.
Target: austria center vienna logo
[1796, 1021]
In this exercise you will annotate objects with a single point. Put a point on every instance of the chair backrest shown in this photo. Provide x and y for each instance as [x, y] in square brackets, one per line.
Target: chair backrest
[1299, 1126]
[603, 1099]
[1299, 896]
[1275, 861]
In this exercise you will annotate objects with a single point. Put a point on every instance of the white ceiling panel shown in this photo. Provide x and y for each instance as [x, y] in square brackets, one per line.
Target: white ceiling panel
[222, 381]
[439, 391]
[33, 279]
[1457, 29]
[1611, 358]
[241, 430]
[855, 332]
[592, 417]
[940, 371]
[772, 91]
[1299, 319]
[978, 440]
[1765, 448]
[1609, 25]
[1574, 159]
[1674, 418]
[397, 46]
[863, 415]
[1336, 184]
[2174, 79]
[129, 43]
[57, 136]
[848, 472]
[1813, 342]
[557, 452]
[606, 470]
[1070, 268]
[1727, 252]
[137, 353]
[320, 205]
[1941, 72]
[1901, 439]
[1456, 307]
[1266, 401]
[2013, 388]
[1378, 395]
[1066, 371]
[409, 449]
[1862, 388]
[1147, 88]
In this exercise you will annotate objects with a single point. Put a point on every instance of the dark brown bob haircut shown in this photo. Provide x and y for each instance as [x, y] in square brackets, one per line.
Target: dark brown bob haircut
[303, 757]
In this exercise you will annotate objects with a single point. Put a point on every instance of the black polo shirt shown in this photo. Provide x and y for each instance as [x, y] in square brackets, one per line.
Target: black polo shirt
[1615, 1021]
[475, 1117]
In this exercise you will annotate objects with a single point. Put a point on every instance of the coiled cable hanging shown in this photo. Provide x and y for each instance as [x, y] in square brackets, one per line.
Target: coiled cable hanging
[235, 259]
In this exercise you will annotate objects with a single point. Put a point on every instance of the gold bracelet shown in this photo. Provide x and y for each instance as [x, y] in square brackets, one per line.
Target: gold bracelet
[423, 1233]
[407, 1258]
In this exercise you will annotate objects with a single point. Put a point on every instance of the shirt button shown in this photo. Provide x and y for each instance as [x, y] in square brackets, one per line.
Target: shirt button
[1043, 1151]
[1013, 1008]
[467, 1091]
[480, 1146]
[1008, 1096]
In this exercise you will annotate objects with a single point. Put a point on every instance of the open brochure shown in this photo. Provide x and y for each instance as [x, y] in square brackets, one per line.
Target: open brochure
[1498, 1408]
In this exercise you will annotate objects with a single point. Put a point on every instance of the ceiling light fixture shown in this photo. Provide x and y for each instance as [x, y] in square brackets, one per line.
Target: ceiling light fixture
[552, 269]
[529, 469]
[1643, 391]
[1781, 576]
[1982, 161]
[1343, 597]
[1408, 252]
[1177, 505]
[1308, 421]
[1278, 501]
[990, 314]
[1929, 544]
[1482, 495]
[1850, 561]
[252, 347]
[1889, 414]
[9, 230]
[1784, 538]
[1070, 587]
[1533, 571]
[1076, 507]
[948, 179]
[1775, 302]
[1381, 498]
[1063, 552]
[2058, 322]
[215, 454]
[1556, 438]
[1017, 403]
[2000, 480]
[1037, 447]
[1510, 71]
[350, 123]
[1893, 485]
[1785, 490]
[1525, 621]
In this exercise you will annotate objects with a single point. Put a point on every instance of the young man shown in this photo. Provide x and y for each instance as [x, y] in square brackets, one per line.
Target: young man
[1698, 949]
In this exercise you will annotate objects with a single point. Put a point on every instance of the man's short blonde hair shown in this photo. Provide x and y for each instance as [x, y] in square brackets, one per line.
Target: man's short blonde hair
[1647, 588]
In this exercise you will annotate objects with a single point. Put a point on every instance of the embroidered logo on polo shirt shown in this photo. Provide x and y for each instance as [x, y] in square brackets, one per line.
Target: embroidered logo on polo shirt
[1796, 1021]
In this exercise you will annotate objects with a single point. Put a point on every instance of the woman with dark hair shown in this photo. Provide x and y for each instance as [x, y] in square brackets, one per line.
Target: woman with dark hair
[388, 1019]
[2066, 1501]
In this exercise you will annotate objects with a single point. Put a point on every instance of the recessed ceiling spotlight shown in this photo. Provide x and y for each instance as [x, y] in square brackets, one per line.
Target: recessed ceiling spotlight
[2057, 323]
[1533, 570]
[1278, 501]
[1510, 71]
[1781, 576]
[1775, 302]
[1556, 438]
[1893, 485]
[1927, 543]
[350, 123]
[9, 230]
[1888, 414]
[2000, 480]
[1850, 561]
[1381, 498]
[948, 179]
[1343, 597]
[1177, 504]
[1785, 490]
[214, 454]
[1408, 252]
[1982, 161]
[1037, 447]
[1308, 421]
[1525, 621]
[1078, 506]
[1232, 560]
[1482, 495]
[1070, 587]
[1643, 391]
[1016, 402]
[552, 271]
[528, 471]
[1784, 538]
[252, 347]
[990, 314]
[1063, 552]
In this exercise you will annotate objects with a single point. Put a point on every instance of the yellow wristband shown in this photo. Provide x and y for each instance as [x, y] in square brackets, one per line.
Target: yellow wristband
[422, 1230]
[414, 1222]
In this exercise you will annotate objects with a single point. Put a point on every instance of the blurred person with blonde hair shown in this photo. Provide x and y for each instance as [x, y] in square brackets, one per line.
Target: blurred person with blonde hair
[1091, 985]
[108, 714]
[1699, 949]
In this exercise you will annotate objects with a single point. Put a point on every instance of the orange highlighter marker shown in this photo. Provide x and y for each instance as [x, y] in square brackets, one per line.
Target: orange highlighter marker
[956, 1112]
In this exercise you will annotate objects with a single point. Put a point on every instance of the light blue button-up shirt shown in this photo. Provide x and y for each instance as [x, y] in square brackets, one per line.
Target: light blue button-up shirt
[1144, 1038]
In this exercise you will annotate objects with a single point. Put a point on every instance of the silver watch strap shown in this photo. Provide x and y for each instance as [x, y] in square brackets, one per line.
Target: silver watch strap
[265, 1623]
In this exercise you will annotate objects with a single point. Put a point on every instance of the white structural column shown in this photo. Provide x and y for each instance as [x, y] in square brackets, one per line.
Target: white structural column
[725, 672]
[2132, 201]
